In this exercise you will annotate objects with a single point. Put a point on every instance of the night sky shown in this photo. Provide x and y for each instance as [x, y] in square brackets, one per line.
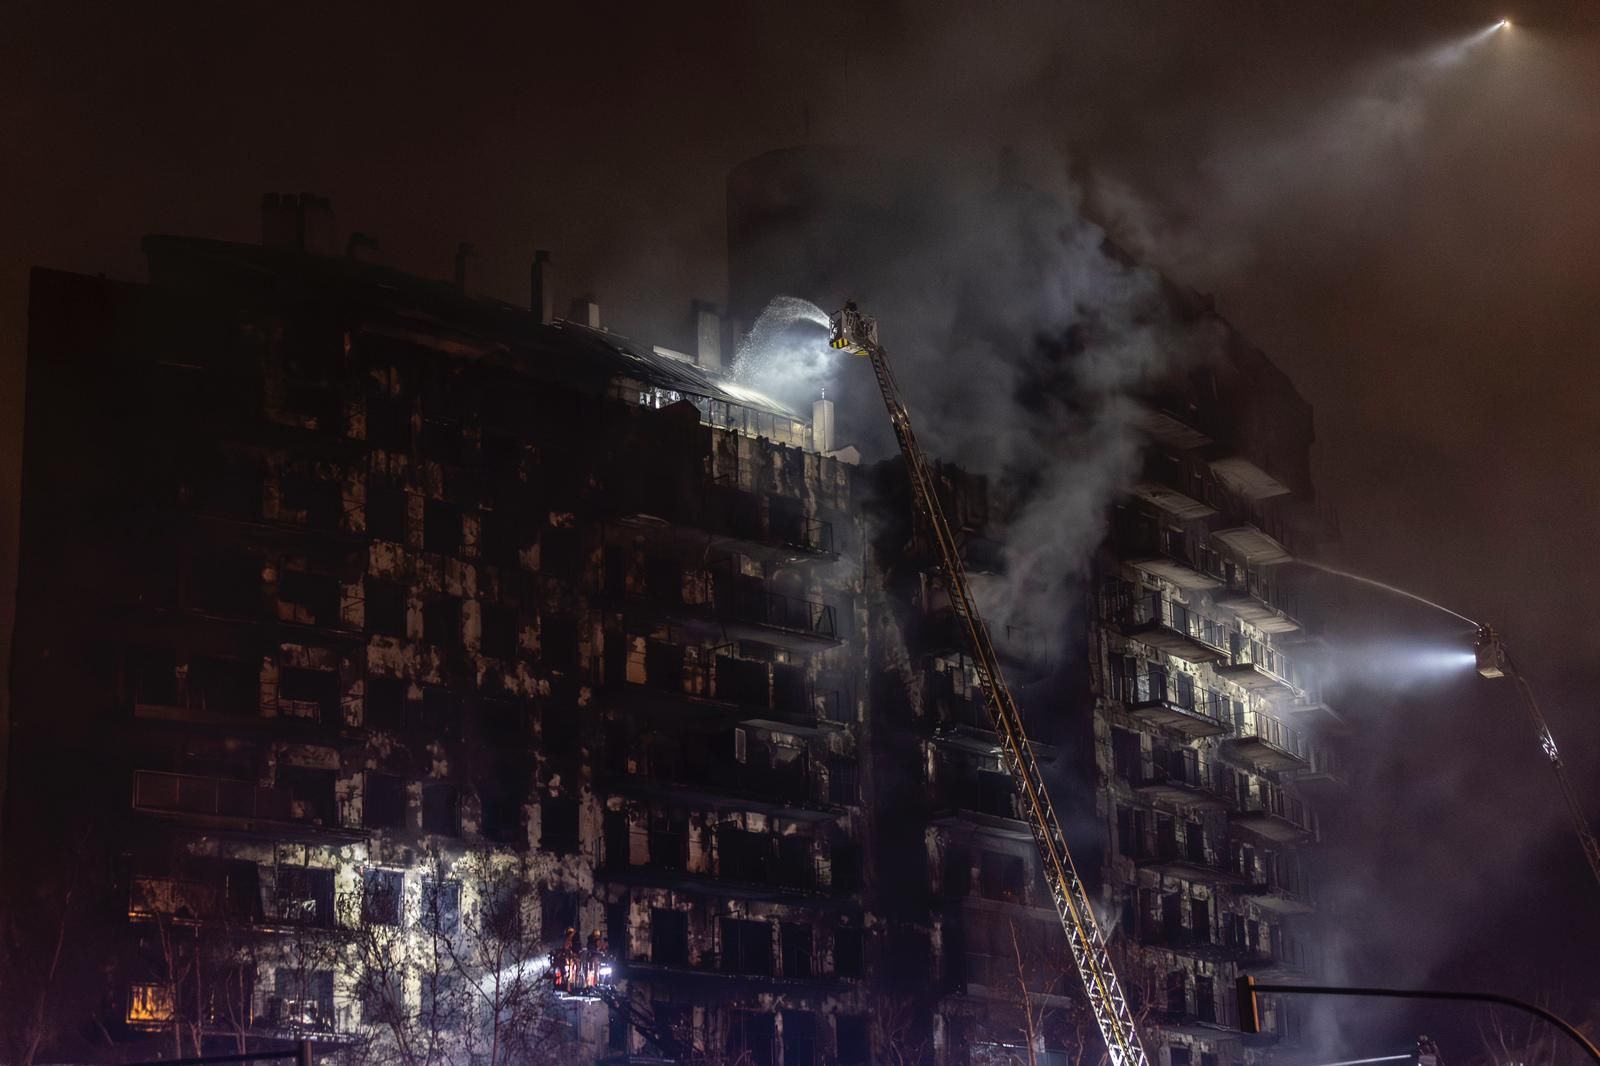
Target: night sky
[1413, 236]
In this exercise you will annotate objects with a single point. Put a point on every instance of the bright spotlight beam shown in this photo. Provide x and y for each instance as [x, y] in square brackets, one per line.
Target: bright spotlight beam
[1503, 24]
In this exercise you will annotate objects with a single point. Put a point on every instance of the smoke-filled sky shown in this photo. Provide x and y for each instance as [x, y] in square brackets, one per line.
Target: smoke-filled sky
[1409, 228]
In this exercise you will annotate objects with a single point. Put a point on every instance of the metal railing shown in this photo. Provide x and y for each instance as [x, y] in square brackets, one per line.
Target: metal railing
[155, 790]
[1181, 767]
[1267, 798]
[781, 612]
[1274, 733]
[1163, 689]
[1122, 604]
[1266, 659]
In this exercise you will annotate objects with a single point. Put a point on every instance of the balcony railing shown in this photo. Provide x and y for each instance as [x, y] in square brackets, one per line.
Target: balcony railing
[1165, 624]
[1163, 699]
[1164, 551]
[1257, 666]
[212, 796]
[161, 792]
[780, 612]
[1182, 856]
[1270, 744]
[1177, 774]
[1274, 813]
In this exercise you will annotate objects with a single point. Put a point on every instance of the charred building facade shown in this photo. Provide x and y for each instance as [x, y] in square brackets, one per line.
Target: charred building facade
[376, 641]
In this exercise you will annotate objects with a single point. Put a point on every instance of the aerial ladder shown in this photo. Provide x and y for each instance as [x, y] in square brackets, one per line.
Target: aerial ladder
[1494, 661]
[853, 332]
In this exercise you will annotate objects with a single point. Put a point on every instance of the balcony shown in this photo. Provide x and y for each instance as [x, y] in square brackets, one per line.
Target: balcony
[1281, 896]
[1165, 625]
[1311, 711]
[769, 529]
[794, 790]
[772, 618]
[1177, 776]
[1200, 944]
[985, 801]
[1243, 475]
[1178, 504]
[230, 804]
[1255, 597]
[1326, 772]
[1172, 427]
[1268, 744]
[1187, 858]
[1164, 552]
[1274, 814]
[732, 869]
[1159, 700]
[1258, 667]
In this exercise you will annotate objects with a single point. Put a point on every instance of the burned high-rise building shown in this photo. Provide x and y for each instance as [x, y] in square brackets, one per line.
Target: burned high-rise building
[377, 642]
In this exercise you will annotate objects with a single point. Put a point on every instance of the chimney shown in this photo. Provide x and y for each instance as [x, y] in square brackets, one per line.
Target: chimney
[585, 311]
[822, 425]
[280, 224]
[317, 235]
[466, 268]
[543, 296]
[707, 335]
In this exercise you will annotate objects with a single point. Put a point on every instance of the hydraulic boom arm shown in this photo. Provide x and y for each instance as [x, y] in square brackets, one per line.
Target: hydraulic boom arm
[856, 333]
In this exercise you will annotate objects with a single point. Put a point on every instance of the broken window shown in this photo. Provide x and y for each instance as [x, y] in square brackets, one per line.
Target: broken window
[389, 422]
[441, 809]
[796, 862]
[441, 528]
[663, 665]
[1001, 876]
[558, 642]
[304, 896]
[441, 905]
[441, 439]
[746, 946]
[382, 896]
[153, 676]
[1200, 920]
[558, 912]
[501, 813]
[224, 686]
[663, 580]
[440, 711]
[1126, 754]
[385, 703]
[669, 842]
[499, 631]
[1177, 994]
[844, 860]
[441, 622]
[386, 608]
[500, 453]
[751, 1037]
[558, 824]
[799, 1038]
[499, 540]
[227, 583]
[383, 801]
[743, 681]
[743, 855]
[847, 952]
[312, 695]
[1205, 1001]
[311, 794]
[844, 785]
[669, 937]
[314, 597]
[558, 731]
[559, 551]
[850, 1035]
[444, 1001]
[319, 503]
[388, 514]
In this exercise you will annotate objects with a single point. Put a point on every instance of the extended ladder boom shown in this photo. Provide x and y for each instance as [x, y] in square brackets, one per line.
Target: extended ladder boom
[854, 332]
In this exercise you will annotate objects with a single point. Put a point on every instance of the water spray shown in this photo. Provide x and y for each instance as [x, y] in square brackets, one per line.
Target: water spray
[1385, 586]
